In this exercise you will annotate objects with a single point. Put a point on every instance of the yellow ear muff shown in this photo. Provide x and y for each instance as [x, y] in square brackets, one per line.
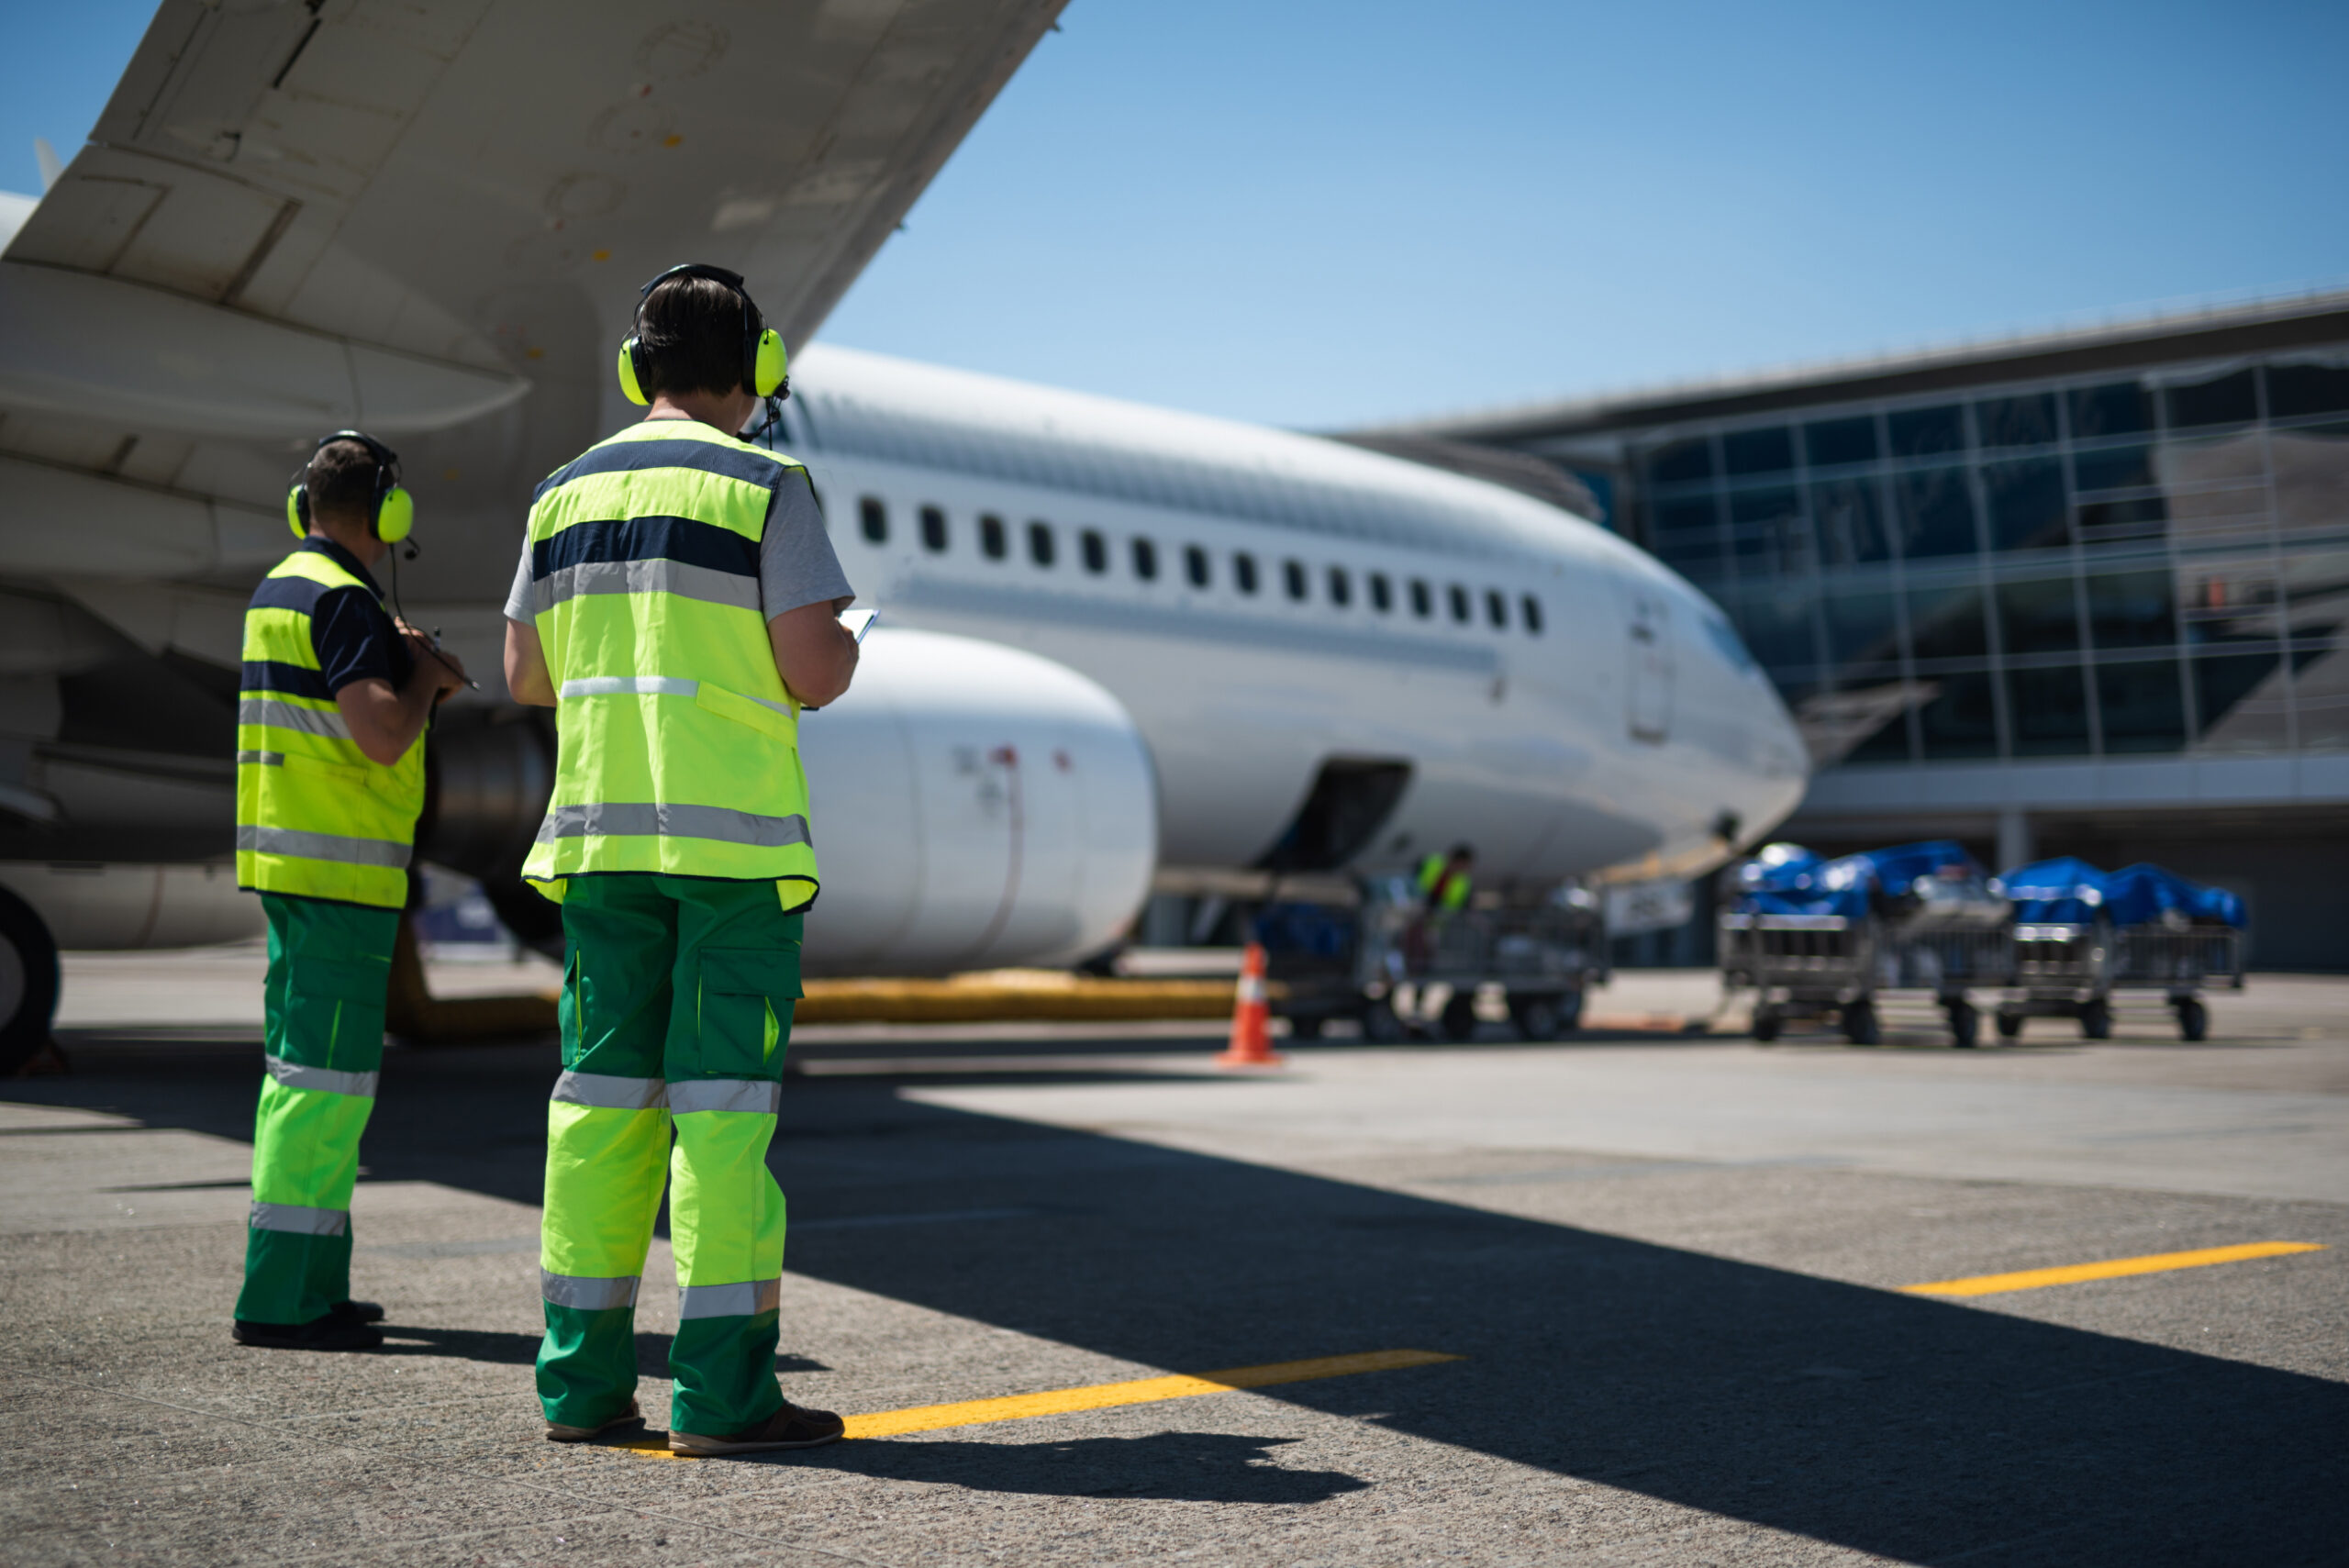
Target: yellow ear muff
[396, 517]
[770, 365]
[293, 513]
[629, 385]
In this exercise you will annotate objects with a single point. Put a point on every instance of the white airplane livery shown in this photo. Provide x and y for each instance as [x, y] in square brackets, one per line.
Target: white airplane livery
[1119, 648]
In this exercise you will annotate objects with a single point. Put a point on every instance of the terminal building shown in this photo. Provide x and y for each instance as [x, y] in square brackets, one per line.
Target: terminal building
[2082, 593]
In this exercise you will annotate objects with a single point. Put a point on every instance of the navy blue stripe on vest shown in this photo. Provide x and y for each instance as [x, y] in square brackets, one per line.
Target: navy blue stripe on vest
[291, 592]
[646, 538]
[635, 457]
[270, 675]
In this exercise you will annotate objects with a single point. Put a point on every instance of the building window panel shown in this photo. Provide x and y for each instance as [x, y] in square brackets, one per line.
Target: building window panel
[2133, 609]
[1831, 443]
[2142, 706]
[2112, 522]
[2028, 510]
[1961, 719]
[1848, 517]
[1947, 623]
[2049, 711]
[873, 518]
[1774, 623]
[1040, 543]
[2311, 467]
[1936, 514]
[1888, 744]
[2114, 468]
[2223, 400]
[1769, 531]
[1863, 627]
[2117, 408]
[2239, 699]
[2321, 711]
[1094, 550]
[1758, 451]
[992, 542]
[2039, 617]
[2294, 392]
[1680, 462]
[1922, 432]
[2025, 421]
[1688, 536]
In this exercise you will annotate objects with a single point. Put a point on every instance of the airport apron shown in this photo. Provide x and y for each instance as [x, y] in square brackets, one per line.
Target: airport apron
[325, 836]
[677, 841]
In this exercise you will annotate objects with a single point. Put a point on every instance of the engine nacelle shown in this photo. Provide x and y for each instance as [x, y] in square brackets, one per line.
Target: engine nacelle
[974, 805]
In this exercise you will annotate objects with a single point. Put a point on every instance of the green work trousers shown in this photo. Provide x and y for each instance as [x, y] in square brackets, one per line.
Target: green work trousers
[323, 1036]
[676, 1011]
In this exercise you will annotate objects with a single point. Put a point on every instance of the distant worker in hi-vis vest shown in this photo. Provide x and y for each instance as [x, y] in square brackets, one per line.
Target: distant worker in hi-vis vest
[330, 717]
[676, 603]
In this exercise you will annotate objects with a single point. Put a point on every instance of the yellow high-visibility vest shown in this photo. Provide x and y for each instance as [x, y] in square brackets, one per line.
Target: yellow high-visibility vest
[315, 818]
[678, 745]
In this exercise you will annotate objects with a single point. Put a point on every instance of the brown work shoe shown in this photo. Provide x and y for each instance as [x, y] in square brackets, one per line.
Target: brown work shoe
[788, 1428]
[559, 1433]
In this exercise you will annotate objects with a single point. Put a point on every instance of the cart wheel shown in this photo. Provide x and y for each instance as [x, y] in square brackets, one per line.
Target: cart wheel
[1380, 1026]
[1860, 1026]
[1569, 1012]
[1964, 1023]
[1767, 1022]
[2096, 1020]
[1306, 1025]
[2193, 1019]
[1459, 1021]
[2009, 1025]
[1538, 1017]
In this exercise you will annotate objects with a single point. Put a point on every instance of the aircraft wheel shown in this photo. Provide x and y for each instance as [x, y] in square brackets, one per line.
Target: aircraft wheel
[1459, 1022]
[2009, 1025]
[2096, 1020]
[27, 982]
[1965, 1024]
[1538, 1017]
[2193, 1019]
[1380, 1026]
[1860, 1025]
[1767, 1022]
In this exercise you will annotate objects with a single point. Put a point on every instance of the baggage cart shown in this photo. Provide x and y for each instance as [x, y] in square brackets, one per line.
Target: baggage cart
[2140, 939]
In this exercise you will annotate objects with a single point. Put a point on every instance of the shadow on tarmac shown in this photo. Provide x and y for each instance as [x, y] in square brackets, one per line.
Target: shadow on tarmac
[1917, 1429]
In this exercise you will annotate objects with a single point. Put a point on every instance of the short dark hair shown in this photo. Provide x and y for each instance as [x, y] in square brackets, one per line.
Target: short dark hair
[342, 480]
[691, 336]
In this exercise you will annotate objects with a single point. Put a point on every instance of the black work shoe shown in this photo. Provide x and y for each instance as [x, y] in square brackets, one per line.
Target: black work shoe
[357, 1311]
[559, 1433]
[788, 1428]
[327, 1333]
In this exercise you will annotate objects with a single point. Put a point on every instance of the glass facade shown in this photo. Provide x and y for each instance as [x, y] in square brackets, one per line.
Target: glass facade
[2118, 566]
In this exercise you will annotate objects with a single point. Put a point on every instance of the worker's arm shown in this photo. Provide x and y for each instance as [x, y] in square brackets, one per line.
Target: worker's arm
[385, 722]
[526, 666]
[814, 653]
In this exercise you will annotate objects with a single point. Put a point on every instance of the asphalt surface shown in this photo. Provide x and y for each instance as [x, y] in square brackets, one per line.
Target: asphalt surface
[1670, 1262]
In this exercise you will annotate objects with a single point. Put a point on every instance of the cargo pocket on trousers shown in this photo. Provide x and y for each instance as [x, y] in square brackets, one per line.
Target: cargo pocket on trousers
[334, 1013]
[745, 1016]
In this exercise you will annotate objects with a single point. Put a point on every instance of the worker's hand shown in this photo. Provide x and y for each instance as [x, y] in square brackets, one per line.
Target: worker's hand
[438, 667]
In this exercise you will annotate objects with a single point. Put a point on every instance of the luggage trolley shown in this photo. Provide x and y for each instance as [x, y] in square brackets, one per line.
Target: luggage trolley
[2085, 940]
[1819, 938]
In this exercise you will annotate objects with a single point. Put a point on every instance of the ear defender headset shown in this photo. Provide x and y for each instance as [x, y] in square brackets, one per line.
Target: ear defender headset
[391, 511]
[765, 369]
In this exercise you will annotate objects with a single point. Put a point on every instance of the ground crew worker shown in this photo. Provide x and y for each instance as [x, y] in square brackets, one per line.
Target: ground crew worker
[677, 602]
[1444, 882]
[330, 718]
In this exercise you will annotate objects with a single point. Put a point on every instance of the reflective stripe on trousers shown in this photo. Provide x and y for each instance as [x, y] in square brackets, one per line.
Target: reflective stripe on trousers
[321, 1080]
[298, 1220]
[585, 1294]
[743, 1300]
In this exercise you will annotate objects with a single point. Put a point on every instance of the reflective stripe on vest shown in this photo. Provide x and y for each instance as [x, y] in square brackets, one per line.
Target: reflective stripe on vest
[678, 744]
[315, 817]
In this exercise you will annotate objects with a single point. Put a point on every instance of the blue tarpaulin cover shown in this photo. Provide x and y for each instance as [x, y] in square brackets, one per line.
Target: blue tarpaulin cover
[2058, 892]
[2142, 893]
[1787, 879]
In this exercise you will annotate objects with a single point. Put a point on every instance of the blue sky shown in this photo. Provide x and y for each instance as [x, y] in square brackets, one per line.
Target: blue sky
[1325, 212]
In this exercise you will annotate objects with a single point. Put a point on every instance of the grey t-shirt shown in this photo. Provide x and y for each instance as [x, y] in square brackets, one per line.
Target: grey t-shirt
[796, 563]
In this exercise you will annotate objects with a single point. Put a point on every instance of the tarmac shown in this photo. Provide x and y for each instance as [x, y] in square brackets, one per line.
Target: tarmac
[1656, 1274]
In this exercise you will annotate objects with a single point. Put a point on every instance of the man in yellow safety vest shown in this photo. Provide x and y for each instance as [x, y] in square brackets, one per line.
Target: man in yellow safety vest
[331, 716]
[676, 603]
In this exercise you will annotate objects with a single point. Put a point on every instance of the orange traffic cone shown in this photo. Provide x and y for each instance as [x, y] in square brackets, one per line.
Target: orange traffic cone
[1251, 1037]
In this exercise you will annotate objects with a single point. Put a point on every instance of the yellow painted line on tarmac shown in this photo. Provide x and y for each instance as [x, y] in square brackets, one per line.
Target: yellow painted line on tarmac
[1106, 1396]
[2111, 1268]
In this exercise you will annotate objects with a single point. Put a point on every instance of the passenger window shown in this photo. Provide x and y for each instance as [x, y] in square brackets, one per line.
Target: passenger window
[1459, 597]
[1422, 605]
[1532, 608]
[1381, 593]
[1195, 565]
[1145, 560]
[1243, 571]
[1040, 543]
[1341, 587]
[933, 530]
[991, 542]
[877, 520]
[1497, 610]
[1293, 573]
[1095, 549]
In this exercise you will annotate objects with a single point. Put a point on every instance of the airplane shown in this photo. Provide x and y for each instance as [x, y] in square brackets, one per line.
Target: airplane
[1120, 649]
